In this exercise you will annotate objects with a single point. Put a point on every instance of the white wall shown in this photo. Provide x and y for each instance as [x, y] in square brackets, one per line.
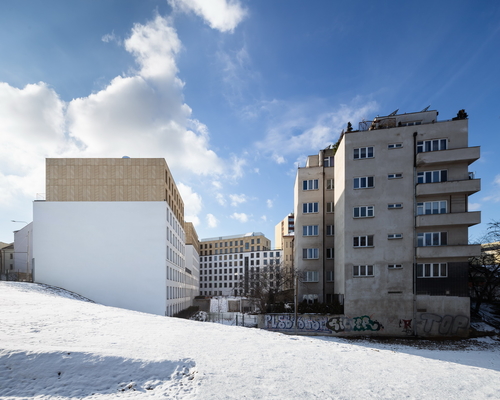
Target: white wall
[111, 252]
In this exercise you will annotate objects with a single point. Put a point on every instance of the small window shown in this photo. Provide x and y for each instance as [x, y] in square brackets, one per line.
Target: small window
[432, 176]
[395, 266]
[364, 182]
[329, 207]
[363, 211]
[329, 253]
[432, 207]
[362, 270]
[311, 184]
[330, 230]
[395, 236]
[328, 162]
[394, 205]
[329, 276]
[329, 184]
[311, 276]
[394, 145]
[309, 254]
[363, 152]
[432, 145]
[432, 239]
[432, 270]
[310, 230]
[363, 241]
[308, 208]
[394, 176]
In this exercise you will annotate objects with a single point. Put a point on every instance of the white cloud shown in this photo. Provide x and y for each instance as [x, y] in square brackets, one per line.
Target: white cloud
[241, 217]
[294, 131]
[237, 199]
[212, 221]
[269, 203]
[111, 37]
[474, 206]
[220, 199]
[192, 203]
[223, 15]
[217, 184]
[263, 218]
[139, 115]
[237, 165]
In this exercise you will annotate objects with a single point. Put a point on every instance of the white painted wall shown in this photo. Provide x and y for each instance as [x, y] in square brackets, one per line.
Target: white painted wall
[111, 252]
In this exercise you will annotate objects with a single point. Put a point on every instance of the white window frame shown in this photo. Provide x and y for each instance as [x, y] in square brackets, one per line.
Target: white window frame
[310, 230]
[363, 212]
[329, 207]
[395, 266]
[328, 161]
[310, 208]
[310, 254]
[424, 146]
[425, 239]
[432, 207]
[330, 276]
[391, 236]
[310, 184]
[359, 271]
[394, 176]
[432, 176]
[330, 230]
[364, 182]
[432, 270]
[395, 206]
[329, 253]
[395, 145]
[329, 184]
[362, 241]
[311, 276]
[363, 152]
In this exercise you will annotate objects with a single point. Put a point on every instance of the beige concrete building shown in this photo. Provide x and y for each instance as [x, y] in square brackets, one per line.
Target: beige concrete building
[399, 206]
[253, 241]
[284, 235]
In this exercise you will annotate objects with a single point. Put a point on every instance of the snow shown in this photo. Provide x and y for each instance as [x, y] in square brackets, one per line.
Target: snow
[56, 345]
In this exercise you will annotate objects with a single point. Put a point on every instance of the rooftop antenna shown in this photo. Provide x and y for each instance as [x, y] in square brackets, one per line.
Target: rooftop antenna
[392, 114]
[426, 108]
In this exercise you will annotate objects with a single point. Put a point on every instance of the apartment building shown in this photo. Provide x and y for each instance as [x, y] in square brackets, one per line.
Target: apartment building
[284, 235]
[253, 241]
[112, 229]
[382, 222]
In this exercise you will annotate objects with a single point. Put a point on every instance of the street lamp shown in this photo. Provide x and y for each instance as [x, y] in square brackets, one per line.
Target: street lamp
[24, 222]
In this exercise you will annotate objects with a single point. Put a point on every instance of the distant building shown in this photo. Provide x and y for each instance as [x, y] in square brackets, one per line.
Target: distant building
[23, 252]
[112, 229]
[381, 223]
[6, 259]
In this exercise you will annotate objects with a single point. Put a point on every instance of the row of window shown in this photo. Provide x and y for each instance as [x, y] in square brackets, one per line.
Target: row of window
[313, 184]
[430, 270]
[230, 256]
[313, 253]
[312, 230]
[422, 146]
[423, 239]
[423, 208]
[228, 244]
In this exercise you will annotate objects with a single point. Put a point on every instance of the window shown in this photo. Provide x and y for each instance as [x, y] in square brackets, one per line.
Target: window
[311, 184]
[432, 239]
[329, 184]
[363, 152]
[363, 241]
[330, 231]
[394, 205]
[432, 176]
[394, 176]
[433, 270]
[431, 207]
[363, 211]
[363, 182]
[329, 276]
[247, 246]
[395, 236]
[310, 230]
[329, 207]
[308, 254]
[309, 208]
[362, 270]
[329, 253]
[432, 145]
[328, 162]
[395, 266]
[311, 276]
[394, 145]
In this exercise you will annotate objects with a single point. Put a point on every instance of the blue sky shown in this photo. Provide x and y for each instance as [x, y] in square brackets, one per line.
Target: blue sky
[234, 94]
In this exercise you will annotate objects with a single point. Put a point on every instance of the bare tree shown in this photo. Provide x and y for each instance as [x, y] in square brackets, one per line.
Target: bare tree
[484, 271]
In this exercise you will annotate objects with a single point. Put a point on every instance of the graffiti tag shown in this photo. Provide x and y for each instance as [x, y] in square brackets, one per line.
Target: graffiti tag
[447, 325]
[356, 324]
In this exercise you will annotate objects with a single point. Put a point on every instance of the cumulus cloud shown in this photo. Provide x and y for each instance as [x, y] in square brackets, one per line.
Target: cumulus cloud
[192, 203]
[294, 131]
[237, 199]
[141, 114]
[212, 221]
[269, 203]
[223, 15]
[241, 217]
[263, 218]
[220, 199]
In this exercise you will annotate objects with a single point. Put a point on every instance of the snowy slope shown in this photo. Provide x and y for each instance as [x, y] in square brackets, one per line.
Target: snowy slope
[53, 346]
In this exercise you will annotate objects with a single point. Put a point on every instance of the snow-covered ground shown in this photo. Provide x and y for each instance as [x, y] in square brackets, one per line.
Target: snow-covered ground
[55, 346]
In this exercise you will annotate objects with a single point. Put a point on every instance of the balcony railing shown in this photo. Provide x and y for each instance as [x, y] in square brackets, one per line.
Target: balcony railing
[451, 156]
[466, 186]
[449, 219]
[449, 252]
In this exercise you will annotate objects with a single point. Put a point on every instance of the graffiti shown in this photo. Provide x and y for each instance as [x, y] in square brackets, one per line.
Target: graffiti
[286, 322]
[406, 326]
[447, 325]
[356, 324]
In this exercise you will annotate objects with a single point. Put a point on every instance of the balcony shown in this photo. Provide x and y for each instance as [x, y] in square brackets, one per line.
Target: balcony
[450, 219]
[454, 156]
[457, 251]
[467, 186]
